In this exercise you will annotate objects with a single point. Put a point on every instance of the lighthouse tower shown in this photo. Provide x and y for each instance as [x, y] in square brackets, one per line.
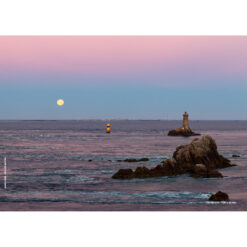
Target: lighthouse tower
[186, 121]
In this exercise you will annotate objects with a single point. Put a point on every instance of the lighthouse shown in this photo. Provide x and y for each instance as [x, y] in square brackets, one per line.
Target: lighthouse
[184, 130]
[186, 121]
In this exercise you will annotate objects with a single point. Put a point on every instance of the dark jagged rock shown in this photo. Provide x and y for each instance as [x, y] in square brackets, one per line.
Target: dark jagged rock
[134, 160]
[142, 172]
[219, 196]
[235, 156]
[124, 174]
[198, 159]
[182, 132]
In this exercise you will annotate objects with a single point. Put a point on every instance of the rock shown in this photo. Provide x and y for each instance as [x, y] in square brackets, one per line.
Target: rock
[130, 160]
[142, 172]
[182, 132]
[214, 174]
[136, 160]
[206, 174]
[200, 168]
[219, 196]
[235, 156]
[124, 174]
[199, 159]
[201, 151]
[90, 160]
[144, 159]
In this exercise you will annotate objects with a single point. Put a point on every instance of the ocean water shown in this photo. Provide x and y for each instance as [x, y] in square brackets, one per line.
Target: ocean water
[49, 167]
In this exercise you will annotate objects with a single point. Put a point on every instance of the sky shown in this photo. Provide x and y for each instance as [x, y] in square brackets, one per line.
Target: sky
[129, 77]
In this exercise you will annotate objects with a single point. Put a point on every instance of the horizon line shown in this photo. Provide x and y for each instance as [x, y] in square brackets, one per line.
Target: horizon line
[121, 119]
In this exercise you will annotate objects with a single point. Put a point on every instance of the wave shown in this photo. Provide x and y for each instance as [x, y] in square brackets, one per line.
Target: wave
[111, 197]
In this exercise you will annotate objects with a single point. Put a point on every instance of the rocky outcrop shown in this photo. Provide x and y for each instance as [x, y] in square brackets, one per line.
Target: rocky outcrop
[200, 151]
[219, 196]
[199, 159]
[182, 132]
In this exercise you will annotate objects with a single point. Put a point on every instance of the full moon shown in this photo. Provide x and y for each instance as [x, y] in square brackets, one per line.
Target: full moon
[60, 102]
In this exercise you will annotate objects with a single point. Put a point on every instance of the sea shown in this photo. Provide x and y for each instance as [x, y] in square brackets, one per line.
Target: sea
[68, 166]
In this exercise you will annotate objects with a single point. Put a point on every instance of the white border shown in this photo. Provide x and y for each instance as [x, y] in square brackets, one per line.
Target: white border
[123, 17]
[123, 229]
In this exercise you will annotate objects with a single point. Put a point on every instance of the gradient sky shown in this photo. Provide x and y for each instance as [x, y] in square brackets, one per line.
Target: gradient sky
[137, 77]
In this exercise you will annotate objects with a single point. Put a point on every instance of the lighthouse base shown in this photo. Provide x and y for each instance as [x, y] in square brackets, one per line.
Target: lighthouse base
[182, 132]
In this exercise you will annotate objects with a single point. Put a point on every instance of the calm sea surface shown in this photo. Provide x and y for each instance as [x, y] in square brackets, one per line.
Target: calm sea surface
[48, 166]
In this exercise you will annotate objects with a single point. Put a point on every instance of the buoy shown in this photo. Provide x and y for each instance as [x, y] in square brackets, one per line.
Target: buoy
[108, 128]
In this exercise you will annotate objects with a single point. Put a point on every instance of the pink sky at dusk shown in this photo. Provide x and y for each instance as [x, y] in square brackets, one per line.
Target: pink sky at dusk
[146, 77]
[124, 56]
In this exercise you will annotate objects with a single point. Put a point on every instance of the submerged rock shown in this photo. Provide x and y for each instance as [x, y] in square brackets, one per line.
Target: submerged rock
[219, 196]
[198, 159]
[235, 156]
[134, 160]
